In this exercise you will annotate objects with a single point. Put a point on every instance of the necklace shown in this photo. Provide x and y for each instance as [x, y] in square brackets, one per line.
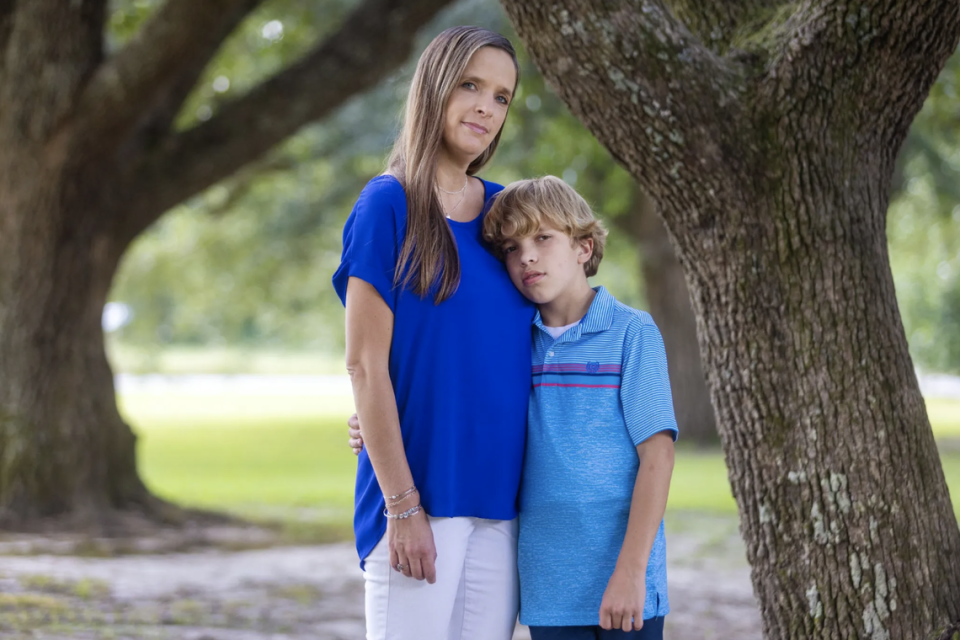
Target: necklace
[460, 190]
[449, 213]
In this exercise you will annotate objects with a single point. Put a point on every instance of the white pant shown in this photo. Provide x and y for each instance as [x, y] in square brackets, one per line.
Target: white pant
[476, 594]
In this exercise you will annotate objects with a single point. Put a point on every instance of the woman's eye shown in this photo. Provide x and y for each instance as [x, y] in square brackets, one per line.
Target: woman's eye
[503, 100]
[468, 85]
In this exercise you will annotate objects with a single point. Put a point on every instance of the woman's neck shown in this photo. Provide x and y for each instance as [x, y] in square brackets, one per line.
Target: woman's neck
[451, 175]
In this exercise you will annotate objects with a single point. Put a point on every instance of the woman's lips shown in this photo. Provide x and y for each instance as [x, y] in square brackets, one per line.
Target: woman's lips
[476, 128]
[532, 278]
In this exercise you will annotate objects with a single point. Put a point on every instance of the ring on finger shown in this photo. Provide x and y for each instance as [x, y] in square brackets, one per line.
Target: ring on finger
[400, 567]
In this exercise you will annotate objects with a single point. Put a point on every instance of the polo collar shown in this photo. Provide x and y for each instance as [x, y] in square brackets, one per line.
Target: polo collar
[599, 316]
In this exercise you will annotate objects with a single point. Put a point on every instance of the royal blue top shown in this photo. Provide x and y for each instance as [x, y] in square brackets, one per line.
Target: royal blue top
[460, 369]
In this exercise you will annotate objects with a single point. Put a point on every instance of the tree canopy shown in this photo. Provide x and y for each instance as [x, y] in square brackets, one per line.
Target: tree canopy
[248, 261]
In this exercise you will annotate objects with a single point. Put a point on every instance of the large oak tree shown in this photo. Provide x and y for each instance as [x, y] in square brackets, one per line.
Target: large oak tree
[767, 132]
[89, 157]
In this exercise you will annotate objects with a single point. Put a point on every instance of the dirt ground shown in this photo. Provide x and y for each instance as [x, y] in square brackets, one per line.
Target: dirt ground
[201, 587]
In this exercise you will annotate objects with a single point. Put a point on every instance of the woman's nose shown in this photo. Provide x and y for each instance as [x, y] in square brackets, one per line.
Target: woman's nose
[484, 105]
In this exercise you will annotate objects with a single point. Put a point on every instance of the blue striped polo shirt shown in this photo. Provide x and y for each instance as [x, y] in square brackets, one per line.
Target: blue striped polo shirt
[599, 390]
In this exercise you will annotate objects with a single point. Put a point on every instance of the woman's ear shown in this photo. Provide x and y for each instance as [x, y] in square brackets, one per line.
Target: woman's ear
[586, 250]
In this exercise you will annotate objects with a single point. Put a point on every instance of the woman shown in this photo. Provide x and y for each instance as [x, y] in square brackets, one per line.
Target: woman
[438, 348]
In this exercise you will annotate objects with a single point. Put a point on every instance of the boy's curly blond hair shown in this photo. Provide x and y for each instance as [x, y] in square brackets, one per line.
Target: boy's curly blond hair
[519, 210]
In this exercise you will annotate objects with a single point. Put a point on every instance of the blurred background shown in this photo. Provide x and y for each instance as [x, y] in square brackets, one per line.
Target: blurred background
[226, 340]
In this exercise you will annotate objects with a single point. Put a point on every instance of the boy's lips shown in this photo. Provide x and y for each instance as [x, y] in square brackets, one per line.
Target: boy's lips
[532, 277]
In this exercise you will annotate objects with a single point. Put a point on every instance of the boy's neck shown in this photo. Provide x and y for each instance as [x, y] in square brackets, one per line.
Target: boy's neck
[569, 307]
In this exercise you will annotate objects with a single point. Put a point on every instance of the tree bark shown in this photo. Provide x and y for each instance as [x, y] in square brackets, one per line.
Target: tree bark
[771, 164]
[63, 445]
[668, 300]
[81, 139]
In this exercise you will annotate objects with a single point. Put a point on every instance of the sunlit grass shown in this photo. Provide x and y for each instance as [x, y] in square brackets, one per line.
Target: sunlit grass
[285, 457]
[270, 458]
[700, 482]
[944, 416]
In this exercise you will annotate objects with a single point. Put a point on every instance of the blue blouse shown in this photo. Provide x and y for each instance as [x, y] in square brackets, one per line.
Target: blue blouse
[460, 369]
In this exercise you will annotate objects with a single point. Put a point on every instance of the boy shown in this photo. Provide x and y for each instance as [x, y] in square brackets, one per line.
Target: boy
[600, 429]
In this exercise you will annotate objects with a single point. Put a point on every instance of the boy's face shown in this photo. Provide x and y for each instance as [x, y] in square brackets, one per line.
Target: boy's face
[547, 264]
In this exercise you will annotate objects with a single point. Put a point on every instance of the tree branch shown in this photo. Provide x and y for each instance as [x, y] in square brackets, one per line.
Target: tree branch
[166, 55]
[50, 48]
[717, 24]
[884, 54]
[663, 82]
[374, 40]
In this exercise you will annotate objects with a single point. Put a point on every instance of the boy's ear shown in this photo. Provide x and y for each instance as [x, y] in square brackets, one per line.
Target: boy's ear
[586, 250]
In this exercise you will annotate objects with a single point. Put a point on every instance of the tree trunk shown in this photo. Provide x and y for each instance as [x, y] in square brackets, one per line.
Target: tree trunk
[89, 158]
[668, 300]
[844, 508]
[63, 445]
[772, 166]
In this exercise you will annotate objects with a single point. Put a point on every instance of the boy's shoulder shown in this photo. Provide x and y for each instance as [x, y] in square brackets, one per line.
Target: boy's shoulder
[627, 318]
[609, 319]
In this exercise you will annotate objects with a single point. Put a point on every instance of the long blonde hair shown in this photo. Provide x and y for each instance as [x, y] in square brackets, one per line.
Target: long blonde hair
[429, 253]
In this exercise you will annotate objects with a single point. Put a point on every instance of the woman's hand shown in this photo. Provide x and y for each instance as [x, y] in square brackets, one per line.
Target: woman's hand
[412, 547]
[622, 604]
[356, 440]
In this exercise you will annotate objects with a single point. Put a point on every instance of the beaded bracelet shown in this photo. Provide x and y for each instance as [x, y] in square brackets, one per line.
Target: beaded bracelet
[400, 496]
[406, 514]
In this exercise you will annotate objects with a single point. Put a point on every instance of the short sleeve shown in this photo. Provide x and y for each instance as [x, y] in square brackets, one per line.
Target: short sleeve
[645, 382]
[370, 250]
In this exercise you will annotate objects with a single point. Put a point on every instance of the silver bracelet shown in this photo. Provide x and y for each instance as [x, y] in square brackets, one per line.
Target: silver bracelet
[403, 499]
[412, 511]
[400, 496]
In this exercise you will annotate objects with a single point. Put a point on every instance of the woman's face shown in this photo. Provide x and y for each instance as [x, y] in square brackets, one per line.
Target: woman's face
[478, 105]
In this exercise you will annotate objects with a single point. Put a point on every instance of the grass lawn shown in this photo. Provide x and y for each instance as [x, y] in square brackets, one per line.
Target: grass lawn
[271, 458]
[944, 417]
[284, 458]
[127, 358]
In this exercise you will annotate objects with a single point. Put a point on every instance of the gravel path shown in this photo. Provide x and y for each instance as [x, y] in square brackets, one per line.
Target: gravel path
[310, 592]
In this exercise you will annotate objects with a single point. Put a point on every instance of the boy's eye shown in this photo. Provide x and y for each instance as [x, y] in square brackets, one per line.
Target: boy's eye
[543, 236]
[509, 249]
[503, 100]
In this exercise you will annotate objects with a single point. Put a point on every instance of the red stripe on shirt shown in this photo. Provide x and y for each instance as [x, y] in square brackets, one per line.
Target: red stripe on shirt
[582, 386]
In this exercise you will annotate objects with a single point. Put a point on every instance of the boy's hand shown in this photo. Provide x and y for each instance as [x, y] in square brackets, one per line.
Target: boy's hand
[622, 604]
[356, 440]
